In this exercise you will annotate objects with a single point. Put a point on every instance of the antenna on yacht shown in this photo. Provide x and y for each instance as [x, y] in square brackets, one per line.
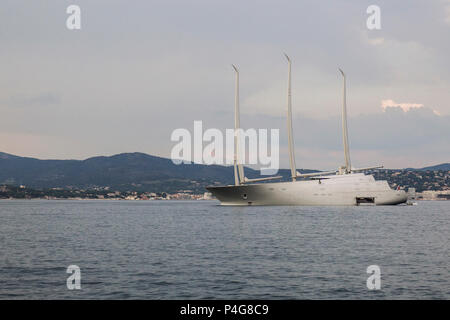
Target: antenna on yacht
[289, 124]
[348, 168]
[238, 168]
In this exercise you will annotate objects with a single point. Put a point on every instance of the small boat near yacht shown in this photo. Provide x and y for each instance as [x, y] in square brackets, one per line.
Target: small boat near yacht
[346, 186]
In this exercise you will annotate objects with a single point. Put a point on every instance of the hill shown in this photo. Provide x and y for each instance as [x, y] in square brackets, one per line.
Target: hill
[442, 166]
[124, 172]
[143, 172]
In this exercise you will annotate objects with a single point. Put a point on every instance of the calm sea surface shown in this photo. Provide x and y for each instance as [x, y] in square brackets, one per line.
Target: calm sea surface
[199, 250]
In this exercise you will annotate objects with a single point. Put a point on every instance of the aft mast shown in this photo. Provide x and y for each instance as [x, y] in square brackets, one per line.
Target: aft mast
[348, 168]
[238, 167]
[289, 125]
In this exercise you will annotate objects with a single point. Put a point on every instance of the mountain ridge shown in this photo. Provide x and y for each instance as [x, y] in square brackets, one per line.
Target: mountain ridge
[124, 171]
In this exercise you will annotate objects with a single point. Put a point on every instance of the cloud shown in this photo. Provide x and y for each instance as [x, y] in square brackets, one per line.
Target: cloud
[32, 100]
[447, 11]
[394, 138]
[115, 87]
[376, 41]
[405, 106]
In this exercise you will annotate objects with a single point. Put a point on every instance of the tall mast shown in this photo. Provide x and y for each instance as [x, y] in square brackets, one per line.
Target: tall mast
[289, 125]
[348, 168]
[238, 168]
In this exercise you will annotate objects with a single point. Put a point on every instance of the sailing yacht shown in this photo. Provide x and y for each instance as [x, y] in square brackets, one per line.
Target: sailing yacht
[344, 186]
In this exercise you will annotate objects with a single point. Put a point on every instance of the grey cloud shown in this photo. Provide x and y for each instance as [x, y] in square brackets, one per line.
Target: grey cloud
[418, 133]
[33, 100]
[137, 70]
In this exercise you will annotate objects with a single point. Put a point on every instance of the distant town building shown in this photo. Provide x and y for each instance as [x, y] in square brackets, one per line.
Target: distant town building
[433, 195]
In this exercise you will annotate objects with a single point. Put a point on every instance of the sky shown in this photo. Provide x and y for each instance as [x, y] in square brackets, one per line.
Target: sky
[137, 70]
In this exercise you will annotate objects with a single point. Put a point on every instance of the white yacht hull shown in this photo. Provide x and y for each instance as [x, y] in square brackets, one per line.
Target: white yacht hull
[345, 190]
